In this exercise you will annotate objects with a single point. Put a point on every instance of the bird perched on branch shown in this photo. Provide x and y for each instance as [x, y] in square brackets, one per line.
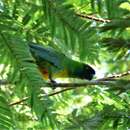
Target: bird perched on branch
[53, 64]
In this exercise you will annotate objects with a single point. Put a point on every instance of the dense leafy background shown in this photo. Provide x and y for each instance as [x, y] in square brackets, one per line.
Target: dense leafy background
[102, 40]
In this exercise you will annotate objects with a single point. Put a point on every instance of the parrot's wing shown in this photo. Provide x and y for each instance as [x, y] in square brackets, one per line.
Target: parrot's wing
[59, 61]
[46, 54]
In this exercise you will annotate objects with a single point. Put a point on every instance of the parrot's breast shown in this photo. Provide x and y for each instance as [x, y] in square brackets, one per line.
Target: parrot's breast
[54, 74]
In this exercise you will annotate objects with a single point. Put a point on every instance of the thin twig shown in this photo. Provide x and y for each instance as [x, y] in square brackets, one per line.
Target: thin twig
[115, 76]
[91, 17]
[19, 101]
[50, 94]
[60, 91]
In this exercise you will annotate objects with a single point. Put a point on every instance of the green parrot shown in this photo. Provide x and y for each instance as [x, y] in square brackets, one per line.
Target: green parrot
[53, 64]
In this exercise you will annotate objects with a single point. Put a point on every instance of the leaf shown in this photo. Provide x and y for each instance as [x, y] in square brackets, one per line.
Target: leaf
[6, 120]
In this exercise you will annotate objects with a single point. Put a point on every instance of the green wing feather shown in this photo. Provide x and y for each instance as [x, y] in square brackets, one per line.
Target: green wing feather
[57, 60]
[42, 53]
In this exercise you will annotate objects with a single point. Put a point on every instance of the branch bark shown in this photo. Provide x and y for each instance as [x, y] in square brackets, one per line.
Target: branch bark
[91, 17]
[94, 82]
[51, 94]
[86, 83]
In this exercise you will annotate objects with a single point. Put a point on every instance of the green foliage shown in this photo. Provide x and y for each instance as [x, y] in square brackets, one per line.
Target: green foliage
[72, 31]
[56, 23]
[6, 118]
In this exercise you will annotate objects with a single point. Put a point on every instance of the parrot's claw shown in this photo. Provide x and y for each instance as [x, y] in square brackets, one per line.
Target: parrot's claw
[53, 83]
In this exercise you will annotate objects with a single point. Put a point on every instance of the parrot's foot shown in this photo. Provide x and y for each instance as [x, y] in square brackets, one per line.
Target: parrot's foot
[53, 83]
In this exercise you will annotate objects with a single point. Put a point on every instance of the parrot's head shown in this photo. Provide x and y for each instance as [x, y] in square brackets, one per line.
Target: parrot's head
[88, 72]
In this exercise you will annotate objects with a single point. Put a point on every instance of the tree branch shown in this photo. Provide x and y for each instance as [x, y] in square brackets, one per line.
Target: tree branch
[86, 83]
[115, 76]
[60, 91]
[91, 17]
[69, 86]
[51, 94]
[94, 82]
[19, 101]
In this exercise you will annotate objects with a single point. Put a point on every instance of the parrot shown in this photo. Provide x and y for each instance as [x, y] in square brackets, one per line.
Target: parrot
[54, 64]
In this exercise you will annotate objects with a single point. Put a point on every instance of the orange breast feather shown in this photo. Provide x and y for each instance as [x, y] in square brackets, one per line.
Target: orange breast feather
[44, 72]
[58, 74]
